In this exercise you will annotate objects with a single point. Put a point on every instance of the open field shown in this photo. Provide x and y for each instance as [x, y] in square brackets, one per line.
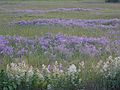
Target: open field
[79, 35]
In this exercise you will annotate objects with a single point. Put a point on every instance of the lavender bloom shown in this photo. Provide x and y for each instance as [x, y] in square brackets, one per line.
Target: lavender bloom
[8, 50]
[60, 67]
[58, 46]
[56, 10]
[103, 41]
[48, 68]
[23, 22]
[3, 41]
[4, 48]
[89, 50]
[115, 47]
[21, 52]
[100, 23]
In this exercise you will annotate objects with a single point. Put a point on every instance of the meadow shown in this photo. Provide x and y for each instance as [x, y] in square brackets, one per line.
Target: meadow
[59, 45]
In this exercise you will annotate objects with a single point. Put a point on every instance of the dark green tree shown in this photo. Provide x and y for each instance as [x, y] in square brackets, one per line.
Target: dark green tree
[111, 0]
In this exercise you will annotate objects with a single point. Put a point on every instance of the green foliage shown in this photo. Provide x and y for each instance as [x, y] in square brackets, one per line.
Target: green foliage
[33, 84]
[113, 83]
[56, 82]
[65, 82]
[5, 82]
[103, 75]
[111, 0]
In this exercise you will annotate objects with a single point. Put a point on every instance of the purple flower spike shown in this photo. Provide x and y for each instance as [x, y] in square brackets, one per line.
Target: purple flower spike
[48, 67]
[60, 66]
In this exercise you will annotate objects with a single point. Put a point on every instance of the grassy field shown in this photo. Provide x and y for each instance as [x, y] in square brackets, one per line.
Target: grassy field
[15, 11]
[109, 11]
[9, 14]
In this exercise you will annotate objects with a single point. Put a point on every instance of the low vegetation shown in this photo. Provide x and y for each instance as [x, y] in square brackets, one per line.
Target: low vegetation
[59, 45]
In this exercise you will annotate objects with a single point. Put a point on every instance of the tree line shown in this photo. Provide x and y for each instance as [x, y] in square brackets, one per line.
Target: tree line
[112, 0]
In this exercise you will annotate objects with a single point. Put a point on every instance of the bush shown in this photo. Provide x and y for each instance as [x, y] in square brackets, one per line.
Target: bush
[5, 82]
[102, 75]
[111, 0]
[111, 73]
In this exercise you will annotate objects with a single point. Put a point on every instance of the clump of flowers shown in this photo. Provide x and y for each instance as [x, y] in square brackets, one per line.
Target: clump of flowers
[23, 73]
[72, 69]
[49, 76]
[110, 71]
[54, 47]
[111, 67]
[101, 74]
[96, 23]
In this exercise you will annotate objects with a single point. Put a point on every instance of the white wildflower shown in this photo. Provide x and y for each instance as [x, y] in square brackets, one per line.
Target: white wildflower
[30, 72]
[43, 67]
[99, 64]
[82, 64]
[72, 69]
[105, 66]
[40, 76]
[49, 87]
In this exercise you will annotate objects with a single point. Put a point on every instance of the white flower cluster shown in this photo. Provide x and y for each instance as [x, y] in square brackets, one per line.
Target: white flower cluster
[111, 67]
[72, 69]
[107, 68]
[21, 70]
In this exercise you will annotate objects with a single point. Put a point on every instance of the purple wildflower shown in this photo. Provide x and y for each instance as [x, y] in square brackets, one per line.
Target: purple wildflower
[100, 23]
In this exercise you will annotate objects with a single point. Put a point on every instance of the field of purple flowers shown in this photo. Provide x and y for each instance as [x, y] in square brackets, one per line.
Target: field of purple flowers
[43, 43]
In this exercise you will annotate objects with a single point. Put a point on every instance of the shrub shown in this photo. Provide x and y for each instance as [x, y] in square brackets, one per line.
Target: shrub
[111, 73]
[102, 75]
[5, 82]
[111, 0]
[25, 76]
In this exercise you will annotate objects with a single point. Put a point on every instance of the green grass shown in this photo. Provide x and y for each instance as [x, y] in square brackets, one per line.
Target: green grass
[108, 11]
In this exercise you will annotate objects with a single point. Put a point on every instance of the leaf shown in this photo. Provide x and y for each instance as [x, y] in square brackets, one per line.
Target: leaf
[10, 88]
[14, 86]
[5, 88]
